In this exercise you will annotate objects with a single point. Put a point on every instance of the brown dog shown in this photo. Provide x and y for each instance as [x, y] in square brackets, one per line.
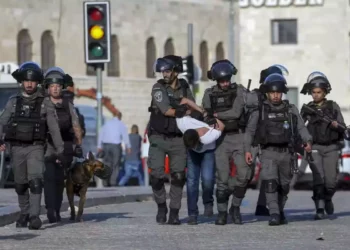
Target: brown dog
[78, 179]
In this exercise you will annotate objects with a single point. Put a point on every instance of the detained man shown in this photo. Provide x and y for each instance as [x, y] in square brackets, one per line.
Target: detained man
[200, 140]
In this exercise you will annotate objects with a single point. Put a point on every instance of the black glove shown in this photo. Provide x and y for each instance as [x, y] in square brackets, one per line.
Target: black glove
[197, 115]
[210, 120]
[62, 159]
[2, 142]
[180, 111]
[78, 152]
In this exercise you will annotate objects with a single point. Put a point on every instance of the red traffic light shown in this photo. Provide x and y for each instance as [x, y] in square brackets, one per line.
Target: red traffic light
[95, 14]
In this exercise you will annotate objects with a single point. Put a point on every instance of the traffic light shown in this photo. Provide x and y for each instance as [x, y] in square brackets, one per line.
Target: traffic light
[97, 32]
[189, 68]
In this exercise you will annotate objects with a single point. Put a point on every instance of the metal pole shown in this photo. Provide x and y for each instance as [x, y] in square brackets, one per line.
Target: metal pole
[231, 46]
[190, 49]
[99, 67]
[146, 172]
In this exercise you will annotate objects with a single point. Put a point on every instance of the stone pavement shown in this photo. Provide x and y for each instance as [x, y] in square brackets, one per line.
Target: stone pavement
[131, 226]
[96, 196]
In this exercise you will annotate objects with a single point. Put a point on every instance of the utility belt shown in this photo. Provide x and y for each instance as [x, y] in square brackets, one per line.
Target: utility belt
[277, 148]
[170, 135]
[26, 144]
[235, 131]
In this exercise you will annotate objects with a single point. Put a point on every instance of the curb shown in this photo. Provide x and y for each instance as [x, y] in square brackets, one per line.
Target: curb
[9, 214]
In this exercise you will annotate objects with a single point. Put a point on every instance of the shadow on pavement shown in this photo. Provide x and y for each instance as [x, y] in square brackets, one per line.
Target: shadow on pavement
[18, 236]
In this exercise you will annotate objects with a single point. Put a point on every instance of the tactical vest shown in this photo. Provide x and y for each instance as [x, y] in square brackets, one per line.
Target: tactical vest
[320, 130]
[223, 101]
[64, 121]
[274, 126]
[27, 125]
[166, 125]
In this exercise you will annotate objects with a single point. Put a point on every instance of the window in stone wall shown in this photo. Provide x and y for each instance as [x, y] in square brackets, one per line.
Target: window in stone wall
[220, 54]
[113, 67]
[203, 58]
[47, 50]
[150, 57]
[24, 47]
[284, 31]
[169, 47]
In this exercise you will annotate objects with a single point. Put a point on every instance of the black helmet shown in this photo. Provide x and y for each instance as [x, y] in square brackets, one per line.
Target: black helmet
[29, 71]
[222, 70]
[55, 75]
[276, 68]
[316, 80]
[169, 62]
[275, 83]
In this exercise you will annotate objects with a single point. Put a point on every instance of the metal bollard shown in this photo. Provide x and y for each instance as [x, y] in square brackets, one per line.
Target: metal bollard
[146, 173]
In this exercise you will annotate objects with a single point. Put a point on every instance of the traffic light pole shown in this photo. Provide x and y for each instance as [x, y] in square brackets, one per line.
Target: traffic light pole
[99, 68]
[190, 50]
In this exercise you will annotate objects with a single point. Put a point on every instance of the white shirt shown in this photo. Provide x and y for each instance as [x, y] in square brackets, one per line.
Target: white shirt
[114, 131]
[208, 139]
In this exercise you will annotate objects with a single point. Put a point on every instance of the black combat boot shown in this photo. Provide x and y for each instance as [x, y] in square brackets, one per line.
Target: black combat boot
[174, 217]
[51, 215]
[275, 220]
[208, 211]
[162, 212]
[22, 221]
[236, 215]
[192, 220]
[329, 207]
[283, 219]
[319, 204]
[221, 219]
[34, 223]
[58, 216]
[261, 211]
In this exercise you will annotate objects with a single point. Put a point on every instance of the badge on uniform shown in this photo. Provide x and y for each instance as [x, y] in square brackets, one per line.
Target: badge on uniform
[158, 96]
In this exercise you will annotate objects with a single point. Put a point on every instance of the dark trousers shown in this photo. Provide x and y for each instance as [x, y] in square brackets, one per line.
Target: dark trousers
[200, 165]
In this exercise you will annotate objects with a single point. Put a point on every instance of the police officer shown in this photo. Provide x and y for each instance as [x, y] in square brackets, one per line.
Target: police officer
[26, 120]
[261, 209]
[327, 139]
[54, 81]
[278, 122]
[166, 138]
[228, 102]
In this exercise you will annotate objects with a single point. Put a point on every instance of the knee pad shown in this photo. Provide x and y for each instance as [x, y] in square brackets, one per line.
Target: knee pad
[239, 192]
[156, 183]
[36, 186]
[178, 179]
[318, 191]
[270, 186]
[222, 196]
[284, 190]
[21, 188]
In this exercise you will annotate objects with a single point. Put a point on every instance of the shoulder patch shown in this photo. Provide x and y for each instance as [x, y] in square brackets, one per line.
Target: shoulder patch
[158, 96]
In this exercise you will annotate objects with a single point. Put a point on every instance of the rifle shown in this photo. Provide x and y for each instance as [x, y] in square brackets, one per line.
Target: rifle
[324, 117]
[294, 160]
[249, 82]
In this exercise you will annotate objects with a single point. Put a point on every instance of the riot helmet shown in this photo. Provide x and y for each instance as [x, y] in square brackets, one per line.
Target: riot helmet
[170, 62]
[54, 75]
[275, 83]
[276, 68]
[28, 71]
[222, 70]
[316, 80]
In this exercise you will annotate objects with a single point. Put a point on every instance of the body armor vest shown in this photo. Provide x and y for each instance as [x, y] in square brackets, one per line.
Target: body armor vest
[223, 101]
[320, 130]
[27, 125]
[64, 121]
[166, 125]
[274, 126]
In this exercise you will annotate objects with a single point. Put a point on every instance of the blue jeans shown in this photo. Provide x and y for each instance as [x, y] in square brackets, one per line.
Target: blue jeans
[131, 170]
[200, 164]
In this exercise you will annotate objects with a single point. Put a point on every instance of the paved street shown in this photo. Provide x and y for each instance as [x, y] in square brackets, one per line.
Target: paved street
[132, 226]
